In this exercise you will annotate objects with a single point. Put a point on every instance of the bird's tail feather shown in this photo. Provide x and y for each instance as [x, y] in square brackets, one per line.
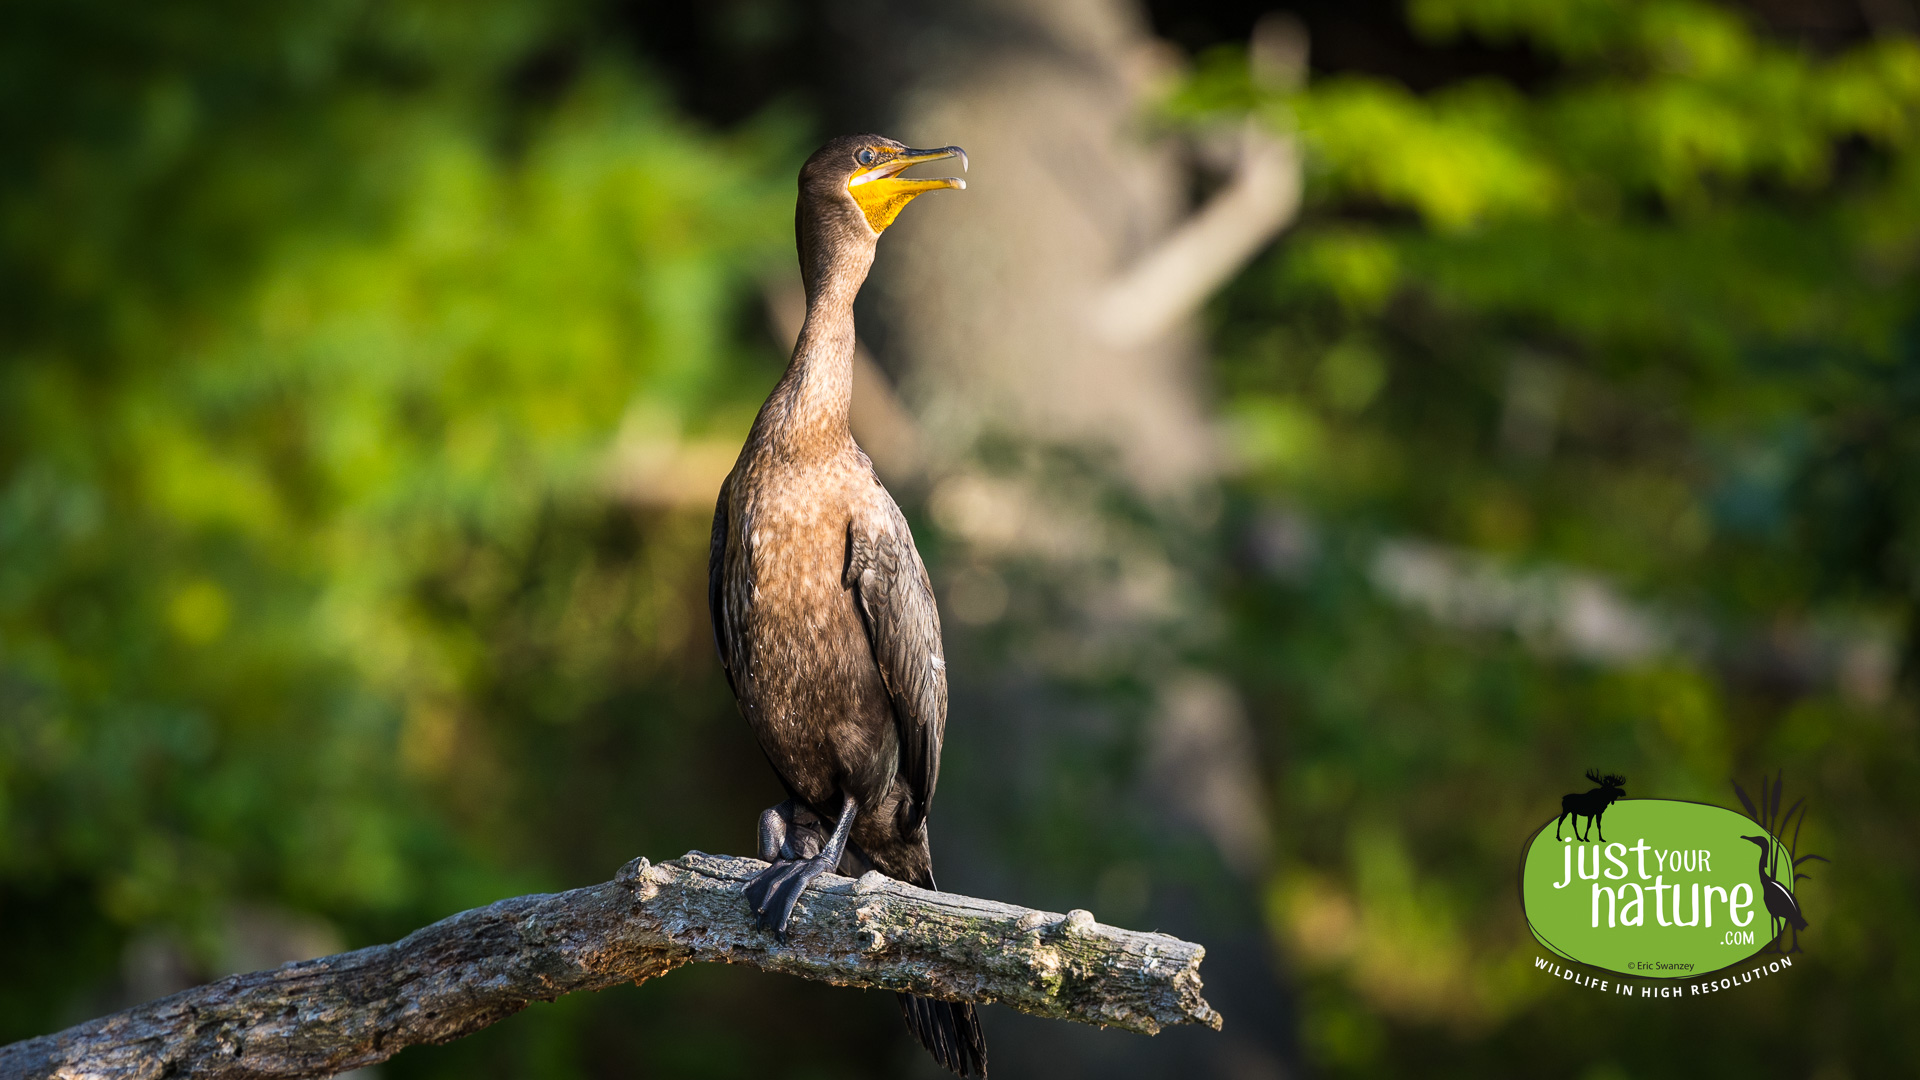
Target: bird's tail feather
[950, 1030]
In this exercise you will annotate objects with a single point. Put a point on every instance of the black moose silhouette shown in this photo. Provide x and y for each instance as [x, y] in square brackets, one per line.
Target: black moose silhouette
[1591, 805]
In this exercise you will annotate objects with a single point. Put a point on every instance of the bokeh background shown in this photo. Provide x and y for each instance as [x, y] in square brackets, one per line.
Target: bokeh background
[1331, 429]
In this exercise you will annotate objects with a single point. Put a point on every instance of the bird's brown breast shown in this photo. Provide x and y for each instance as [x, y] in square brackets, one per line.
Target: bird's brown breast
[808, 682]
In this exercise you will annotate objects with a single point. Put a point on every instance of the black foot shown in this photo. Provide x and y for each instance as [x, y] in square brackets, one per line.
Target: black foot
[790, 831]
[764, 881]
[774, 891]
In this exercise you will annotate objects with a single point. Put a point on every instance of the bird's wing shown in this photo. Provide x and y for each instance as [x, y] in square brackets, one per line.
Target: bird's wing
[716, 584]
[1780, 902]
[903, 626]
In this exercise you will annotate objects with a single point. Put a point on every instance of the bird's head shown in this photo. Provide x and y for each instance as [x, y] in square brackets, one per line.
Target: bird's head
[850, 191]
[864, 171]
[1761, 840]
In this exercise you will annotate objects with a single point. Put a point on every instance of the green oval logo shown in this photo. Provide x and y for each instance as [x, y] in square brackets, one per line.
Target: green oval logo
[1677, 889]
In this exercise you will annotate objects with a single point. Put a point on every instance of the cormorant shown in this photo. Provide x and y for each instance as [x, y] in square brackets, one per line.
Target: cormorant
[821, 607]
[1781, 906]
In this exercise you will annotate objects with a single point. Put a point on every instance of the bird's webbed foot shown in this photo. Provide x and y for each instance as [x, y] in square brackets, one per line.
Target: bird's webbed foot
[790, 834]
[777, 889]
[793, 842]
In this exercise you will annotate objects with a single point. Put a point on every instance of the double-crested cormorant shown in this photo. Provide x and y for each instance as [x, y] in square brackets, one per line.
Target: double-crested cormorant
[821, 607]
[1781, 906]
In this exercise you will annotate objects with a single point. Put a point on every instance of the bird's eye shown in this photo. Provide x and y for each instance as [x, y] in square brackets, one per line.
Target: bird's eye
[864, 157]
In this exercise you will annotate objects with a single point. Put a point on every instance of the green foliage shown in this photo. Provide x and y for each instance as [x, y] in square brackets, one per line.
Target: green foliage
[317, 336]
[1641, 339]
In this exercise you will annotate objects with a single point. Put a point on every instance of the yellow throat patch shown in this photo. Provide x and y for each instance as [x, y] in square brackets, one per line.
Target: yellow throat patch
[882, 193]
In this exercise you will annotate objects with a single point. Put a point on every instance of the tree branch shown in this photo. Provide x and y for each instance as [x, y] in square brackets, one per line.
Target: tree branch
[321, 1017]
[1172, 281]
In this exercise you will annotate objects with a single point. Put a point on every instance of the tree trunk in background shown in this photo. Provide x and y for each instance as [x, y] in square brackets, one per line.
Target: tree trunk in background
[991, 297]
[1039, 328]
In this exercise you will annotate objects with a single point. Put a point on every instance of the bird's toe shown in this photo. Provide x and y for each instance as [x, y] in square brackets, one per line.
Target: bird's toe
[786, 893]
[766, 881]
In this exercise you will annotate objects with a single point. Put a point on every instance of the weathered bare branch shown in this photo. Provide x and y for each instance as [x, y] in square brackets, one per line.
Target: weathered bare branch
[321, 1017]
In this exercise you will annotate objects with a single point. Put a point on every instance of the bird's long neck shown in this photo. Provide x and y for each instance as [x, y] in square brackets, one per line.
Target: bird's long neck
[807, 412]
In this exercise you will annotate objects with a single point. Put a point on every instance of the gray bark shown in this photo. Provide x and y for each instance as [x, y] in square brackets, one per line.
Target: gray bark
[325, 1016]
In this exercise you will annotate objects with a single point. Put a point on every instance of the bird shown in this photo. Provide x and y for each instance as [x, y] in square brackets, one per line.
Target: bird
[822, 611]
[1781, 905]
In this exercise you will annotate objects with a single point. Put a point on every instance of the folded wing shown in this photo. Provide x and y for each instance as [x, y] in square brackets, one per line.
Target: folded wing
[903, 625]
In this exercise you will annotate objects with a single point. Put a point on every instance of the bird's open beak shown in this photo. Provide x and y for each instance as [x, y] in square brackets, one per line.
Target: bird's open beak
[882, 192]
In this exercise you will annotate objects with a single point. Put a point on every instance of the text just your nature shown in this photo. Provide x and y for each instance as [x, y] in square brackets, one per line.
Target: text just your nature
[1626, 904]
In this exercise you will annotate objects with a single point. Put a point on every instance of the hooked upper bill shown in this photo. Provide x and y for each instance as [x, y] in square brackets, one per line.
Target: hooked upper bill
[882, 192]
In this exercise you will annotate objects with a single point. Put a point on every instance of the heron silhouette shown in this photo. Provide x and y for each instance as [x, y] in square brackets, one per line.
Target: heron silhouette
[1783, 909]
[1779, 898]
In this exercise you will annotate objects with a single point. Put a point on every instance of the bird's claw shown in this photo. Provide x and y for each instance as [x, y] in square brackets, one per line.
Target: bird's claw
[773, 892]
